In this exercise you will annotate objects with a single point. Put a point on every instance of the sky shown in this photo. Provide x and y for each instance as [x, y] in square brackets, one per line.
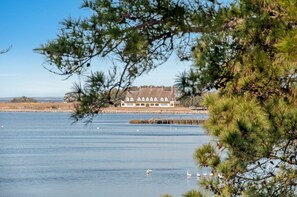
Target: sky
[25, 25]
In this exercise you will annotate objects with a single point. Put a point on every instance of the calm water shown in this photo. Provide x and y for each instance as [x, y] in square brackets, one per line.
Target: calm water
[43, 155]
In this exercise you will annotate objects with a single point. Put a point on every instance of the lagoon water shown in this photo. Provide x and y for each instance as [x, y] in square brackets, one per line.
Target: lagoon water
[44, 155]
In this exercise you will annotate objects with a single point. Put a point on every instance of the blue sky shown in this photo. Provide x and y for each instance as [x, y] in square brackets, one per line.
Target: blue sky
[25, 25]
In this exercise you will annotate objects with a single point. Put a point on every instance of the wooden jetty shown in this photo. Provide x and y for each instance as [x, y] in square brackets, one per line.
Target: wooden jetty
[169, 121]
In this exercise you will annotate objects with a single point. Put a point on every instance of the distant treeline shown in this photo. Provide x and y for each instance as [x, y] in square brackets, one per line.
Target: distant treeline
[38, 99]
[23, 99]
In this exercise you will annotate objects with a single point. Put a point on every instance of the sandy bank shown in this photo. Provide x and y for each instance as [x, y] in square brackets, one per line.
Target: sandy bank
[36, 107]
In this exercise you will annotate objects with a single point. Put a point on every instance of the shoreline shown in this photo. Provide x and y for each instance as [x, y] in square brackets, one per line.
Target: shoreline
[68, 107]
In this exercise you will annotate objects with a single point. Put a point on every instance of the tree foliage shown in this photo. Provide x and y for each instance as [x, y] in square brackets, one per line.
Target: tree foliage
[245, 50]
[5, 50]
[193, 193]
[23, 99]
[190, 88]
[254, 113]
[137, 36]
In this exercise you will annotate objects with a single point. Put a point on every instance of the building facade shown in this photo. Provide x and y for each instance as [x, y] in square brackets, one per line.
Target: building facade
[150, 97]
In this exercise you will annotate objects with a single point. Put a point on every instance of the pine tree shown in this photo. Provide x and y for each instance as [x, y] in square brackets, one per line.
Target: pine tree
[5, 50]
[254, 114]
[136, 35]
[245, 51]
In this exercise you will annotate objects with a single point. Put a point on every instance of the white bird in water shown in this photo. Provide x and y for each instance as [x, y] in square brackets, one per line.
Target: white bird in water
[211, 174]
[137, 129]
[198, 175]
[2, 126]
[188, 174]
[149, 171]
[204, 174]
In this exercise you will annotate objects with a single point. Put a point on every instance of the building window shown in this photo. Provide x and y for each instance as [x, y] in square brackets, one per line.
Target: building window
[155, 99]
[127, 99]
[138, 99]
[157, 104]
[166, 99]
[151, 99]
[143, 99]
[137, 104]
[142, 104]
[147, 99]
[161, 99]
[131, 99]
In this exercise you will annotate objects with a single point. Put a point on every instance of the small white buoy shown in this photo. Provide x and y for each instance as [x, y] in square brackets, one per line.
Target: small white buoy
[198, 175]
[137, 129]
[2, 126]
[204, 174]
[98, 128]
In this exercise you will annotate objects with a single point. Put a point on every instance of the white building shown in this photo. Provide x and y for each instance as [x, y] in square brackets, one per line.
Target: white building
[150, 97]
